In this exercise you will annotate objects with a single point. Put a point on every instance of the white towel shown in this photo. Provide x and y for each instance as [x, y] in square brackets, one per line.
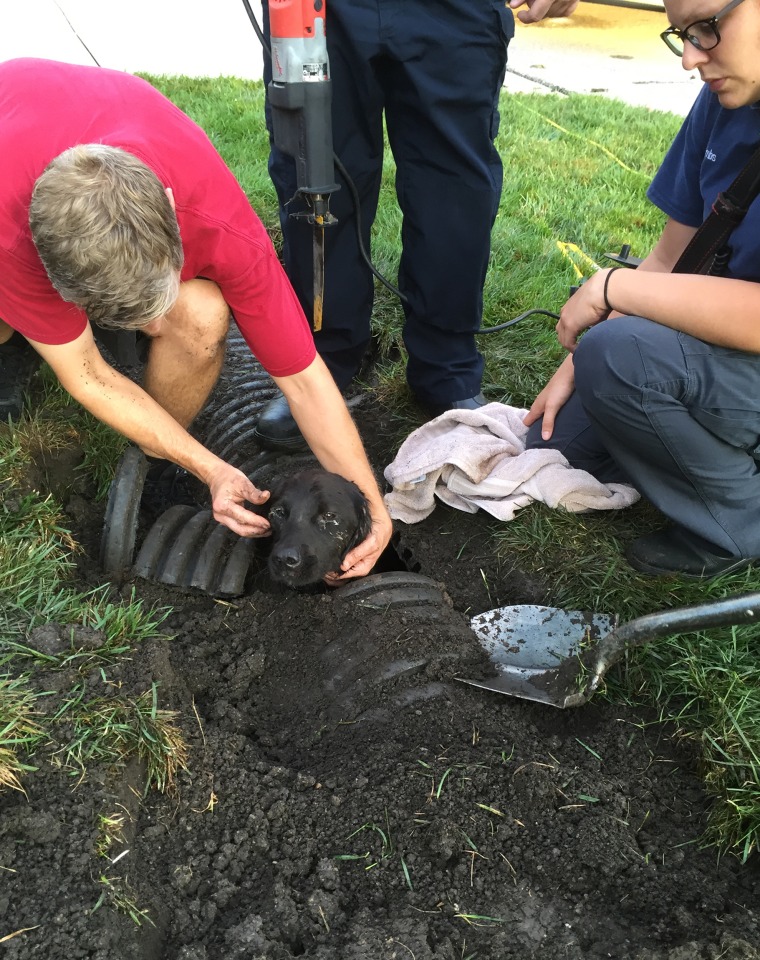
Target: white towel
[473, 459]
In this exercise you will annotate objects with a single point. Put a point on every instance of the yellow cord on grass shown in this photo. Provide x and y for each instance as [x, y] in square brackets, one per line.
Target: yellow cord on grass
[572, 252]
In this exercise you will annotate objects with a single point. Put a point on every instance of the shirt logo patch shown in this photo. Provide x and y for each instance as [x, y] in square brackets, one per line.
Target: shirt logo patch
[709, 155]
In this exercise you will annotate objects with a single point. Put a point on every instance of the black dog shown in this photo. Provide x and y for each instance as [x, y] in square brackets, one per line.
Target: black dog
[316, 518]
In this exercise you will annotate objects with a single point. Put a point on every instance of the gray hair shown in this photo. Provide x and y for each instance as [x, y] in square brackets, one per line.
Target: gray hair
[107, 235]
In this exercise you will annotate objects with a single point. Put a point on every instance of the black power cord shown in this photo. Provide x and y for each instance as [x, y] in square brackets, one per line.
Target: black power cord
[256, 27]
[73, 30]
[517, 319]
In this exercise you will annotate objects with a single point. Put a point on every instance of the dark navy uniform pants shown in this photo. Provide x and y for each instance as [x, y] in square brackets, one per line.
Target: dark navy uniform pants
[678, 416]
[434, 69]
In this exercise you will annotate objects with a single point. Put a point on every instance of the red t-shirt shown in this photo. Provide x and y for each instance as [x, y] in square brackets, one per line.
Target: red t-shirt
[47, 107]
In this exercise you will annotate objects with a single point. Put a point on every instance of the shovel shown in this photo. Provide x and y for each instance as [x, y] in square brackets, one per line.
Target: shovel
[560, 657]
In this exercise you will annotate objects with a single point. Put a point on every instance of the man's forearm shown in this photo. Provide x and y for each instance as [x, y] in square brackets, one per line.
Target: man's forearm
[326, 424]
[125, 407]
[128, 409]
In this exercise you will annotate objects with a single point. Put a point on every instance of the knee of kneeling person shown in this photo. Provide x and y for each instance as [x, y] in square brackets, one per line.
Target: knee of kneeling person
[201, 313]
[609, 357]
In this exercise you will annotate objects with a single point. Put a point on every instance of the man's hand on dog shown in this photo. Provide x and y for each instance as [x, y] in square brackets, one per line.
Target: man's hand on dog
[230, 491]
[360, 561]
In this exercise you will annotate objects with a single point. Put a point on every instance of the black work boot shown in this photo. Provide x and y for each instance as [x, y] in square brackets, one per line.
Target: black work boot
[277, 430]
[469, 403]
[18, 363]
[676, 552]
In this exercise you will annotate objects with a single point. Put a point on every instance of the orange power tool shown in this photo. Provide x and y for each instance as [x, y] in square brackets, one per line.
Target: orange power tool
[300, 97]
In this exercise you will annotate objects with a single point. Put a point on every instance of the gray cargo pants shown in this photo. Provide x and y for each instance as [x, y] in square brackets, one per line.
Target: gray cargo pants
[676, 417]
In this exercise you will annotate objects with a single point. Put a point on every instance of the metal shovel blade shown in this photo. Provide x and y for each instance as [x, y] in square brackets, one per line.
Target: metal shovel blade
[560, 657]
[527, 641]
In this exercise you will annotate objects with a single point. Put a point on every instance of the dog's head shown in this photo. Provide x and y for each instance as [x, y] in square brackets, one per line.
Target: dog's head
[316, 518]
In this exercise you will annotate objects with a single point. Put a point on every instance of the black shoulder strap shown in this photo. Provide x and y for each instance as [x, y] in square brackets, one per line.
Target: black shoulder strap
[727, 212]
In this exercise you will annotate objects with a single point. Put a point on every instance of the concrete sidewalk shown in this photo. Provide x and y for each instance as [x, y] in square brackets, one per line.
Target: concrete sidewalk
[613, 51]
[610, 50]
[194, 37]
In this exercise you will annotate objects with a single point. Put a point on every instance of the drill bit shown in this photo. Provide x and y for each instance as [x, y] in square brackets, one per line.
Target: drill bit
[319, 271]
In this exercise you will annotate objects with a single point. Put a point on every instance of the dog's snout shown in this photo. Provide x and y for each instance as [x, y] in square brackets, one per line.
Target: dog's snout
[289, 557]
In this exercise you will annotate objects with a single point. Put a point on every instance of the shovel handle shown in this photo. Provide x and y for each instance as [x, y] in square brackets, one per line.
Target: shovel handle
[731, 611]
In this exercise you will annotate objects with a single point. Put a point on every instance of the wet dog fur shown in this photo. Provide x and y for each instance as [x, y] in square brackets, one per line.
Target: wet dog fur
[316, 519]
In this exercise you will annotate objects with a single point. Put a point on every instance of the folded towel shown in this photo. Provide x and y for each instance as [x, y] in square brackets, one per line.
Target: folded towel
[476, 459]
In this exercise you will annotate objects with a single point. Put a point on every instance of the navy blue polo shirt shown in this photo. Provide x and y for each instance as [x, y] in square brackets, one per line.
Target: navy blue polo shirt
[709, 151]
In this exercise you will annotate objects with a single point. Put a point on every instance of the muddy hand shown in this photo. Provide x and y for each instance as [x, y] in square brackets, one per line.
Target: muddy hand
[360, 561]
[231, 490]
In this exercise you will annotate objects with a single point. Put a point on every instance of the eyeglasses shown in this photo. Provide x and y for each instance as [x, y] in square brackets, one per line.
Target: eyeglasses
[702, 34]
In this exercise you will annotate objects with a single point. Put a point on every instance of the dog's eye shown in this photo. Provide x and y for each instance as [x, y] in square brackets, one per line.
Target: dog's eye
[330, 523]
[277, 513]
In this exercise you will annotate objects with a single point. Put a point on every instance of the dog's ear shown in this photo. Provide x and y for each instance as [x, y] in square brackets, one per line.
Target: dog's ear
[275, 490]
[261, 509]
[363, 518]
[276, 486]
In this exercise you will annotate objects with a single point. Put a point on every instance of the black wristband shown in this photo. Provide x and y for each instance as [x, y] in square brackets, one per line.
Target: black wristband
[606, 288]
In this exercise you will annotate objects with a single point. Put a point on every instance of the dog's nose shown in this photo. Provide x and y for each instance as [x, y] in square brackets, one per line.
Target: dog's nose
[289, 557]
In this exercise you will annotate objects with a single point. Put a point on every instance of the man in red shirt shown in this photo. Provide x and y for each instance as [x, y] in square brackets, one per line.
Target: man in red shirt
[116, 210]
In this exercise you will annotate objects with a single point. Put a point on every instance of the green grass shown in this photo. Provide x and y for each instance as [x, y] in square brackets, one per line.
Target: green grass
[36, 567]
[111, 729]
[19, 730]
[117, 893]
[576, 171]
